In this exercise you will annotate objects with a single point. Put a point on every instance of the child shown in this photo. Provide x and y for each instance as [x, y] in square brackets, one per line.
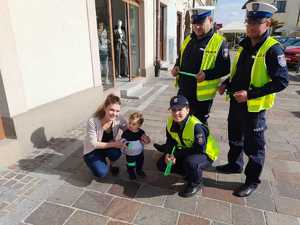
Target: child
[135, 138]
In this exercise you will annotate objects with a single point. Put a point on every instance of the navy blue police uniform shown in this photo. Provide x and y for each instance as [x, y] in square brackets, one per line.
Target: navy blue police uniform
[191, 63]
[189, 161]
[246, 129]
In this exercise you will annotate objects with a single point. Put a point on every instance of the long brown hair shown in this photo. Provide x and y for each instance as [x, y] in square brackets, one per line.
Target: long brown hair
[110, 99]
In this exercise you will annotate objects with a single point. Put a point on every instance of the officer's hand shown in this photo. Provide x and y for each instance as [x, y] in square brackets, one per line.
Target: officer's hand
[175, 71]
[200, 76]
[241, 96]
[169, 158]
[222, 89]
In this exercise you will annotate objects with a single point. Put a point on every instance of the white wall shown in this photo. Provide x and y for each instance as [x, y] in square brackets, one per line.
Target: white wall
[289, 17]
[149, 9]
[52, 49]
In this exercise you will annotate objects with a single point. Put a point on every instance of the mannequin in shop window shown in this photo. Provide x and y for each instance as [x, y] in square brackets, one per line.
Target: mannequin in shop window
[103, 52]
[121, 51]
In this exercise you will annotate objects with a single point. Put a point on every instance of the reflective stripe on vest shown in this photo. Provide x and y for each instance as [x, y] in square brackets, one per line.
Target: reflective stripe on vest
[206, 89]
[259, 76]
[212, 146]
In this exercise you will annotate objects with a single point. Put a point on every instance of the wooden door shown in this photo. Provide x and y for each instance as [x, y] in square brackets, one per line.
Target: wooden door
[162, 32]
[179, 32]
[2, 134]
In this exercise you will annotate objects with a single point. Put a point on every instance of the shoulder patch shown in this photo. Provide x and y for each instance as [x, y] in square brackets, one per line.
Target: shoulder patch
[281, 60]
[200, 139]
[225, 52]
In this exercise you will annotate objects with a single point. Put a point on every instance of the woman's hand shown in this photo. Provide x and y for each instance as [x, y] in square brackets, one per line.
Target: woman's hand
[145, 139]
[169, 157]
[118, 144]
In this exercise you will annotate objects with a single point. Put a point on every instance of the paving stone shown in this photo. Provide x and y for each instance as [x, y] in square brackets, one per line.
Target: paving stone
[280, 219]
[101, 184]
[49, 214]
[93, 201]
[221, 194]
[122, 209]
[293, 178]
[261, 201]
[246, 216]
[26, 179]
[20, 211]
[8, 196]
[124, 189]
[288, 190]
[117, 223]
[214, 210]
[288, 206]
[176, 202]
[151, 195]
[217, 223]
[192, 220]
[264, 187]
[10, 183]
[19, 176]
[3, 205]
[18, 186]
[10, 175]
[85, 218]
[70, 164]
[66, 195]
[3, 181]
[152, 215]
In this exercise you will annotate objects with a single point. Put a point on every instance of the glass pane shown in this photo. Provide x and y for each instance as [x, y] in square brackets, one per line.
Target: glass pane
[134, 38]
[120, 39]
[104, 43]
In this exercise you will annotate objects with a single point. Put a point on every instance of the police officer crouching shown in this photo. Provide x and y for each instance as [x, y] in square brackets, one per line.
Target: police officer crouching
[195, 148]
[259, 70]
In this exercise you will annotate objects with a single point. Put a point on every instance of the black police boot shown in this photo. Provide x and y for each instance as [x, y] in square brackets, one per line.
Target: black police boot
[245, 190]
[190, 190]
[229, 168]
[160, 148]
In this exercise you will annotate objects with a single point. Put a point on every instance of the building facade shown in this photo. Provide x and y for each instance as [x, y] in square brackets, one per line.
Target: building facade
[60, 58]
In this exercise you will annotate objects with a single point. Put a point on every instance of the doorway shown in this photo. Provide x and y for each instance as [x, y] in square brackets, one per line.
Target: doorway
[162, 45]
[2, 133]
[179, 31]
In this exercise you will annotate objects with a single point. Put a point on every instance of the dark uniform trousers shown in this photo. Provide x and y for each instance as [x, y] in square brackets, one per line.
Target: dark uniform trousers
[246, 134]
[187, 164]
[199, 109]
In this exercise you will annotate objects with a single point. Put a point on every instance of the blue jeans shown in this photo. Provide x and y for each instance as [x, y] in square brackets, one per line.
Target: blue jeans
[96, 160]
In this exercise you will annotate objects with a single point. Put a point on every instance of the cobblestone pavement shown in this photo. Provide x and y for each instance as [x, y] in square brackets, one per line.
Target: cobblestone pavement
[54, 187]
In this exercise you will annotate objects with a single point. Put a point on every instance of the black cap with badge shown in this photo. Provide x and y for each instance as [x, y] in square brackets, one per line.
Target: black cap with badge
[178, 102]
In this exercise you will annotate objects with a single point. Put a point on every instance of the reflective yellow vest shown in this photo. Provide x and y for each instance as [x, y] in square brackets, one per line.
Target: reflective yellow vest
[206, 90]
[259, 76]
[212, 146]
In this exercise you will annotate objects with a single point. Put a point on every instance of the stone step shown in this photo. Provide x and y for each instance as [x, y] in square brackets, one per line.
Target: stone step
[126, 89]
[140, 93]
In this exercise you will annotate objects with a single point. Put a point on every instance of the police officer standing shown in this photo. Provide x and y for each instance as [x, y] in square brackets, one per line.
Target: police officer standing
[259, 70]
[195, 148]
[205, 54]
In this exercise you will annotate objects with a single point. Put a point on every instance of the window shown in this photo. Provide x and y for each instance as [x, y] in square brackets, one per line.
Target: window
[281, 5]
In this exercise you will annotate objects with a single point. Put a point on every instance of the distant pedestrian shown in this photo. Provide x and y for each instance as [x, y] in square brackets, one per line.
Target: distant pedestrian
[100, 142]
[135, 138]
[259, 70]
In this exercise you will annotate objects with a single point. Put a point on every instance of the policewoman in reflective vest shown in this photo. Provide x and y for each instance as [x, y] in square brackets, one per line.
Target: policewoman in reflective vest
[195, 148]
[259, 70]
[205, 54]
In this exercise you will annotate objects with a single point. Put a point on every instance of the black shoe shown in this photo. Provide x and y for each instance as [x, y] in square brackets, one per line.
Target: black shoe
[190, 191]
[141, 173]
[114, 170]
[227, 168]
[132, 176]
[245, 190]
[160, 148]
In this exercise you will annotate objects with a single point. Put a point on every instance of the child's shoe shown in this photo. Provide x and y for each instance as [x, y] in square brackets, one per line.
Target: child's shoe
[132, 176]
[141, 173]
